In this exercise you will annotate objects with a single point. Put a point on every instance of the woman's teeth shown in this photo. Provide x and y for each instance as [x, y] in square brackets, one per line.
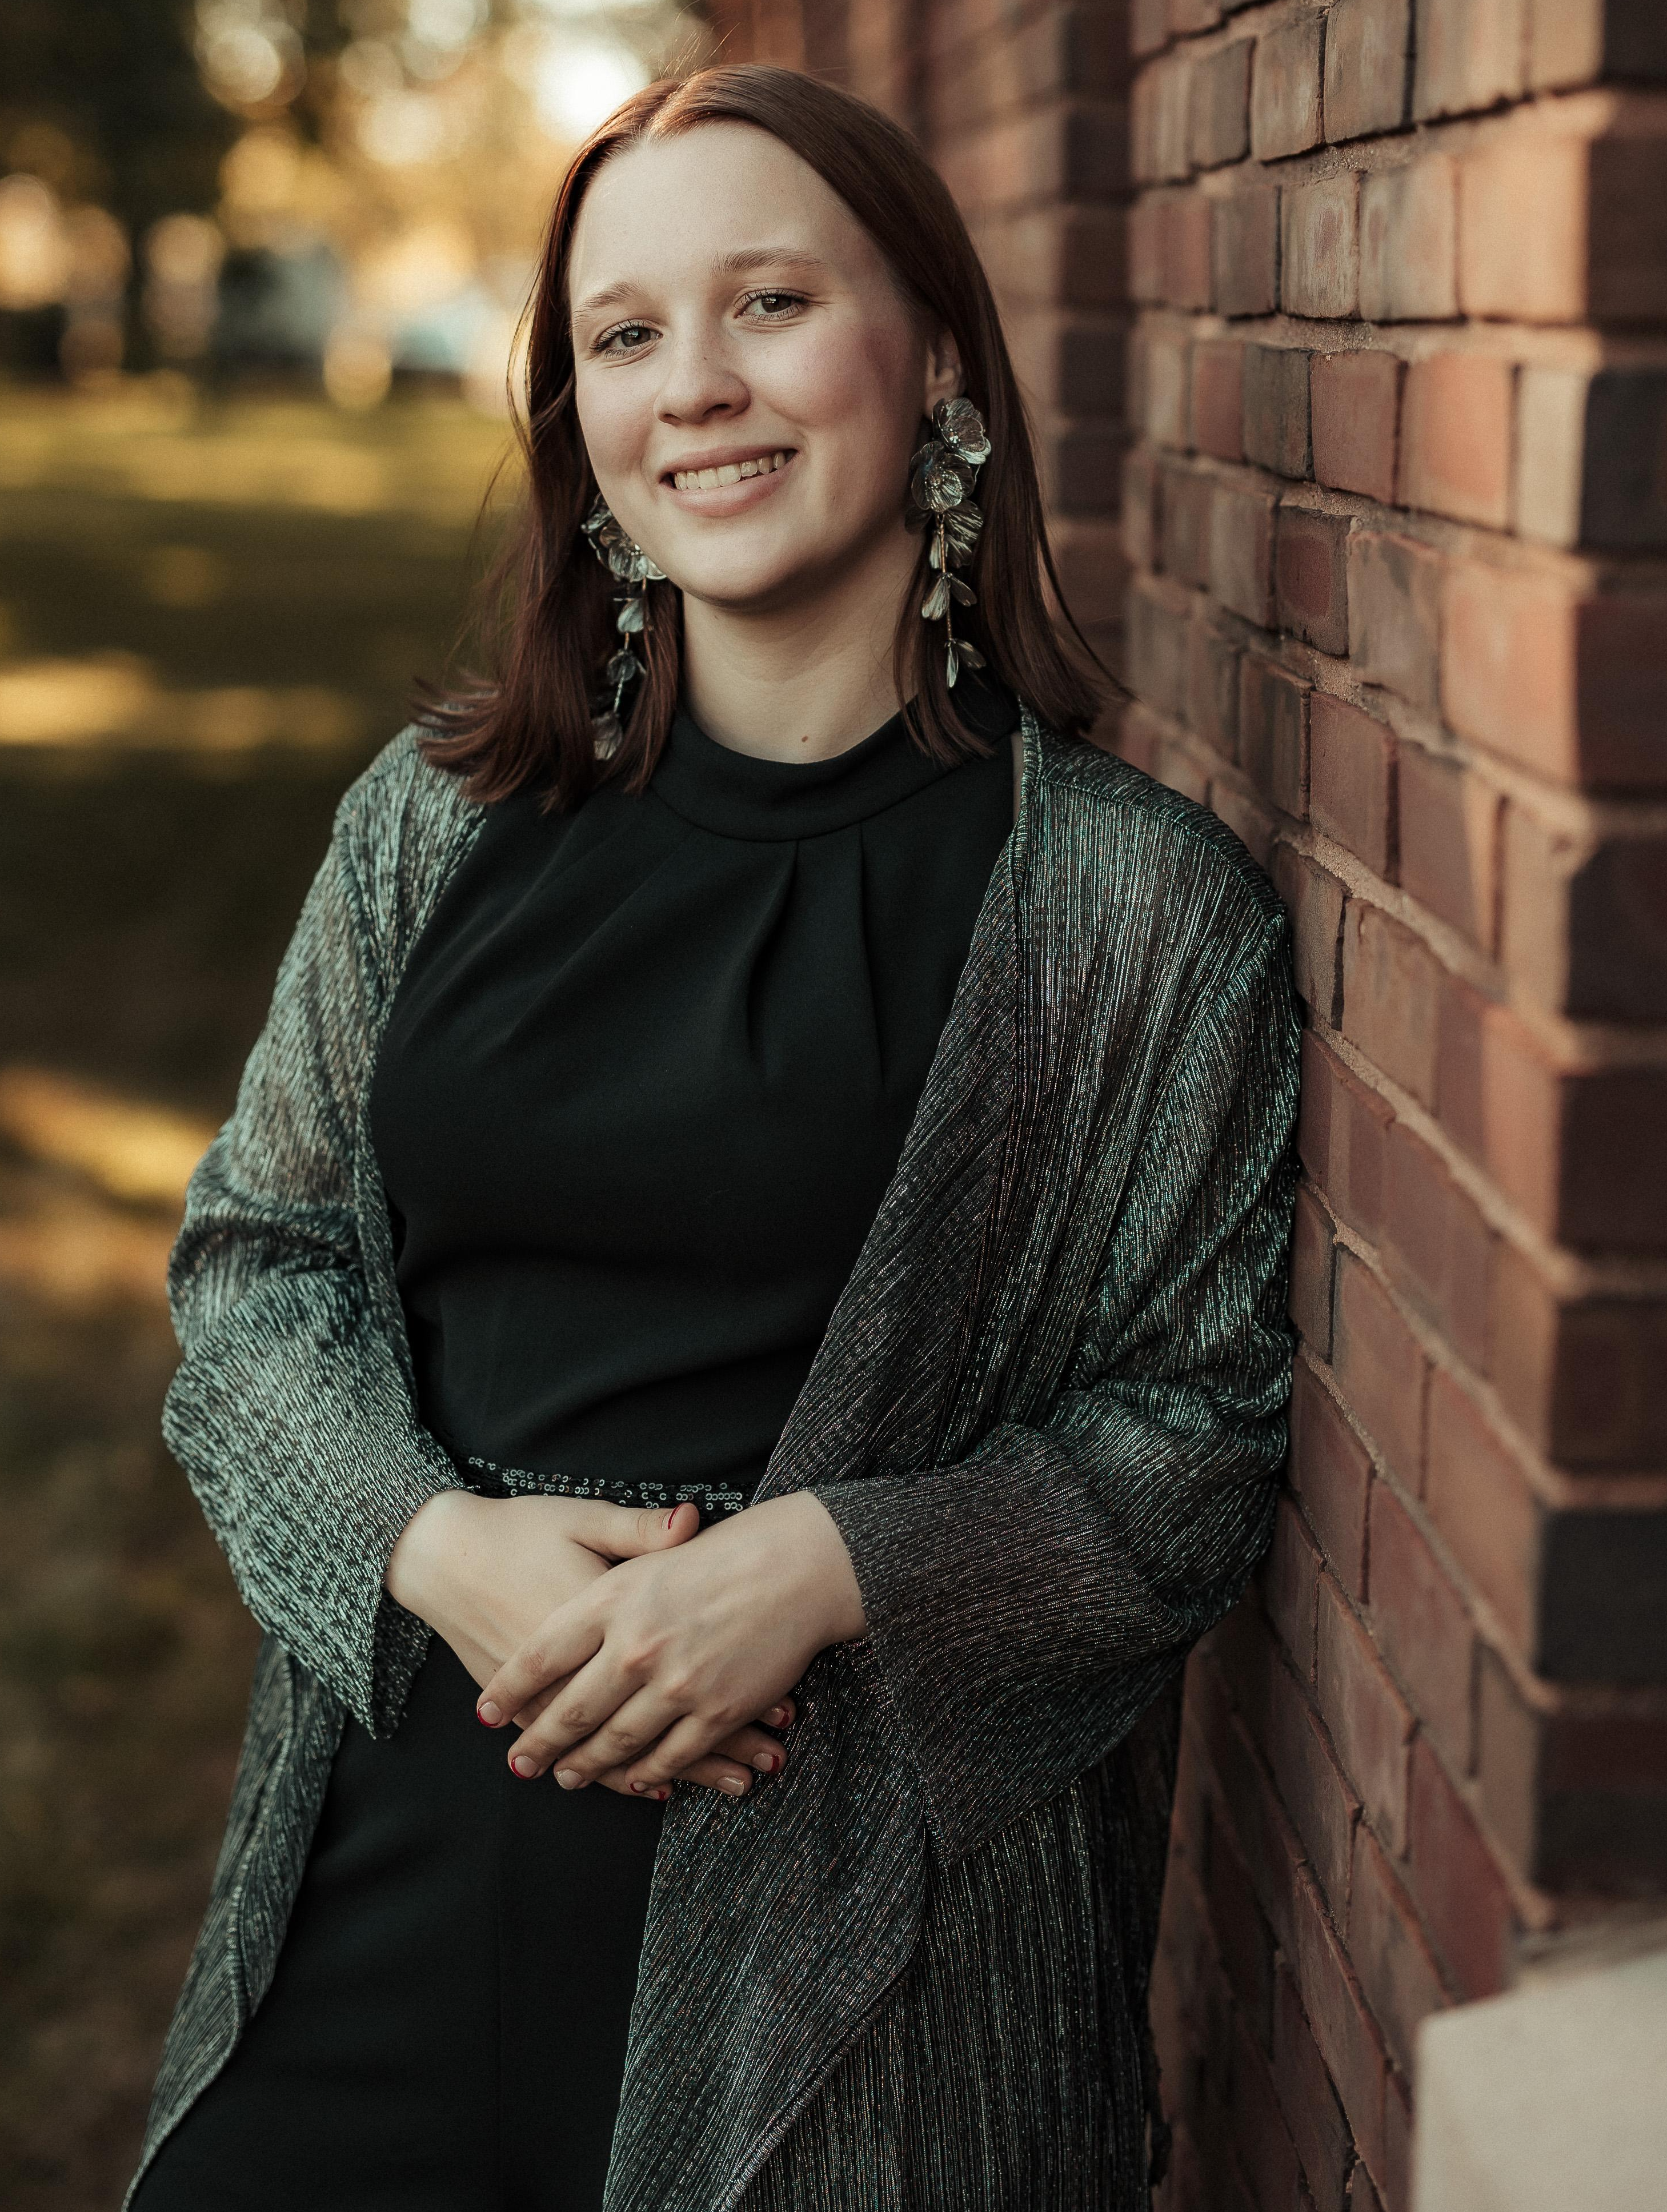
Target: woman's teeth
[731, 472]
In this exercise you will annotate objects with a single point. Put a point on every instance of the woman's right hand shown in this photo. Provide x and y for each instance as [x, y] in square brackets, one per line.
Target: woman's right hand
[484, 1572]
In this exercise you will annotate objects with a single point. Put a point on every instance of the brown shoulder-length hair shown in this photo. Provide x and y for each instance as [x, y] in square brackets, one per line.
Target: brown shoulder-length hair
[545, 615]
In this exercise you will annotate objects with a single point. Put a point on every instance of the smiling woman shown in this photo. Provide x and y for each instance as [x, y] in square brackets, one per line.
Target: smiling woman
[747, 1275]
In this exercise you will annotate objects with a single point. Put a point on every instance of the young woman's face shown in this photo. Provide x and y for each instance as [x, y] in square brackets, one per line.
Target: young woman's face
[750, 381]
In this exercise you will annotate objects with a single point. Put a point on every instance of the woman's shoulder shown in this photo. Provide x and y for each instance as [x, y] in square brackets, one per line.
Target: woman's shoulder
[402, 819]
[1150, 842]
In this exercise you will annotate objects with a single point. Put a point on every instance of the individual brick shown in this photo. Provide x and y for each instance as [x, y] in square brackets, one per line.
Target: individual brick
[1213, 687]
[1287, 1577]
[1461, 1024]
[1391, 1951]
[1184, 499]
[1081, 464]
[1523, 230]
[1409, 242]
[1217, 405]
[1157, 621]
[1572, 688]
[1221, 106]
[1479, 1499]
[1140, 506]
[1579, 42]
[1244, 250]
[1316, 900]
[1456, 422]
[1369, 1722]
[1395, 613]
[1285, 89]
[1351, 780]
[1580, 1376]
[1379, 1368]
[1331, 1474]
[1188, 17]
[1588, 471]
[1342, 1136]
[1275, 404]
[1311, 1252]
[1565, 230]
[1186, 250]
[1585, 920]
[1448, 840]
[1612, 1184]
[1439, 1251]
[1317, 1793]
[1319, 248]
[1166, 382]
[1273, 732]
[1467, 54]
[1601, 1616]
[1391, 998]
[1366, 44]
[1419, 1622]
[1311, 576]
[1462, 1898]
[1242, 551]
[1355, 402]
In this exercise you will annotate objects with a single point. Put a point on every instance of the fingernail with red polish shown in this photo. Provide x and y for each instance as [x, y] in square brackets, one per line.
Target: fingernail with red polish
[767, 1761]
[523, 1767]
[671, 1516]
[661, 1795]
[488, 1713]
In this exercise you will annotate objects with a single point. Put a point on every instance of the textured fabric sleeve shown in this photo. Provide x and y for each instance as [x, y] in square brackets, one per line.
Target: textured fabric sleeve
[291, 1413]
[1026, 1603]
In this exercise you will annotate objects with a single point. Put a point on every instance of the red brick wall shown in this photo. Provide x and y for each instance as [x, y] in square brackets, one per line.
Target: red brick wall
[1395, 515]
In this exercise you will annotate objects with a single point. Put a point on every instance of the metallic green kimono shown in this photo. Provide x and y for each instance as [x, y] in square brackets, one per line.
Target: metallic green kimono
[1048, 1416]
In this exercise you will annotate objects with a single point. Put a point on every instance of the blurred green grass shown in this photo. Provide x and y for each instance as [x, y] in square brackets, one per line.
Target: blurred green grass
[210, 616]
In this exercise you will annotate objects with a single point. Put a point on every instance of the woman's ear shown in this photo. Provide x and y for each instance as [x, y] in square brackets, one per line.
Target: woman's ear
[943, 371]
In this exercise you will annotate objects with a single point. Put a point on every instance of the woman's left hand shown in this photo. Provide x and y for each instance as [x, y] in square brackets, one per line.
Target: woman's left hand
[664, 1656]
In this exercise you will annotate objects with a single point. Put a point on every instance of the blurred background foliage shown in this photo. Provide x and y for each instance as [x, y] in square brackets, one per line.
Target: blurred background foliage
[261, 266]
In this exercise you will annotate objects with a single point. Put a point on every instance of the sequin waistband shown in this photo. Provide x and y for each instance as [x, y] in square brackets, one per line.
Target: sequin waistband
[716, 1500]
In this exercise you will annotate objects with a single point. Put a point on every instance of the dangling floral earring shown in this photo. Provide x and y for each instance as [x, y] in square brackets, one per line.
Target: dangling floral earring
[941, 477]
[624, 559]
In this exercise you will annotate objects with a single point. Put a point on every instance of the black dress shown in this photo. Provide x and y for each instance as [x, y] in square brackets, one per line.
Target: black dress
[646, 1076]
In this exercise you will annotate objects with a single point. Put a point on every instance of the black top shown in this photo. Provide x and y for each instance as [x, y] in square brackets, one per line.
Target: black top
[646, 1076]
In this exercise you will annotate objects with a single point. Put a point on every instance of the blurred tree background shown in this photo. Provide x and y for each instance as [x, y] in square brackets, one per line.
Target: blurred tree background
[260, 265]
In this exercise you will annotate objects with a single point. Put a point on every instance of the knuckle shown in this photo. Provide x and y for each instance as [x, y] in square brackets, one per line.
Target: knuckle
[574, 1716]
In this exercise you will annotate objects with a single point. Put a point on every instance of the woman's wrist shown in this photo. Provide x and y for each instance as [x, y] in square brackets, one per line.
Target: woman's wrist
[822, 1565]
[425, 1557]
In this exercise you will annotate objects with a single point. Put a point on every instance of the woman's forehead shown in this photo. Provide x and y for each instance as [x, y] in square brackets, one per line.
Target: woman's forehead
[724, 198]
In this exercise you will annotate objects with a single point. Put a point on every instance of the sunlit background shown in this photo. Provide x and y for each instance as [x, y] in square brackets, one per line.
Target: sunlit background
[261, 263]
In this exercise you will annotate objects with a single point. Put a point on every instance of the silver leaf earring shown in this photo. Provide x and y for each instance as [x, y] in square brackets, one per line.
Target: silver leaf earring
[941, 481]
[625, 559]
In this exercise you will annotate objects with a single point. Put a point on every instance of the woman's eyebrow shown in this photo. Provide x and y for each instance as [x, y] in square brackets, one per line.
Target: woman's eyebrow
[737, 263]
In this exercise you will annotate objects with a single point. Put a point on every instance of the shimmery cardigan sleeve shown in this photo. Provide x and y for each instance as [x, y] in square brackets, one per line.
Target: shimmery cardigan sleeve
[291, 1413]
[1026, 1603]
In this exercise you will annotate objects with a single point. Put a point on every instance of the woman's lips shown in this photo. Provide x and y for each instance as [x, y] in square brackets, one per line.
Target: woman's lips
[724, 499]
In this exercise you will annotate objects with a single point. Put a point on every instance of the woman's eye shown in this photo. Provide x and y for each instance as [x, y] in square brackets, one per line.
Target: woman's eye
[626, 338]
[773, 304]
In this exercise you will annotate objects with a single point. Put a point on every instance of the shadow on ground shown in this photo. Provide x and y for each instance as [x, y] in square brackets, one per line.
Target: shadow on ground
[209, 620]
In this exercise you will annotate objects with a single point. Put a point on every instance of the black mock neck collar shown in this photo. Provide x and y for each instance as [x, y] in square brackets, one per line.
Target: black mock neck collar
[738, 796]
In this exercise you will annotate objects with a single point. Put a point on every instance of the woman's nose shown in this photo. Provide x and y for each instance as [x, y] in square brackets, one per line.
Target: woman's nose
[700, 382]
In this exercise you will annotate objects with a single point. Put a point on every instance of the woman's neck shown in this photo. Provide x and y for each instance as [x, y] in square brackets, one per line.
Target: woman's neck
[805, 682]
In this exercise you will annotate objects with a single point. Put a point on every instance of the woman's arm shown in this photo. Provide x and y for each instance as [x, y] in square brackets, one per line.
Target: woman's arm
[291, 1413]
[1026, 1603]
